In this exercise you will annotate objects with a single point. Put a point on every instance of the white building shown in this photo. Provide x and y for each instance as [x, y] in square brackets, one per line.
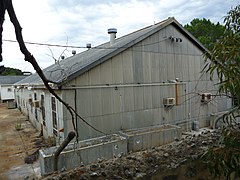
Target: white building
[6, 87]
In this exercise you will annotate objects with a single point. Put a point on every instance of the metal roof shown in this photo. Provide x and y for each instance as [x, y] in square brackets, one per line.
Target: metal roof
[69, 68]
[10, 80]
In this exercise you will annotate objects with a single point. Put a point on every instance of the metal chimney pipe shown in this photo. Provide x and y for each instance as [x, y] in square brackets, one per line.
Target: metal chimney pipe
[112, 32]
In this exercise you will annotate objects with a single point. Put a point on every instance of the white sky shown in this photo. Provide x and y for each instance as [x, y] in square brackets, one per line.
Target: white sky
[78, 22]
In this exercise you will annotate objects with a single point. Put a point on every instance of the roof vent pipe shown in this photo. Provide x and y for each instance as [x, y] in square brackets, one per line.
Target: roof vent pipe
[74, 52]
[88, 45]
[112, 32]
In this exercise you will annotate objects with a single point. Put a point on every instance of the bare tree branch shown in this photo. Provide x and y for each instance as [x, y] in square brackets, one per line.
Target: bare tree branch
[7, 5]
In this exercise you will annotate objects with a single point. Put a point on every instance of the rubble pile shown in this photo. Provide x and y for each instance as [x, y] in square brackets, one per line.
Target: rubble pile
[144, 164]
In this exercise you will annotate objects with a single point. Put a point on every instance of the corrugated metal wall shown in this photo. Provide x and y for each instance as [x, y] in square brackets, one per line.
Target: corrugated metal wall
[111, 109]
[127, 91]
[132, 85]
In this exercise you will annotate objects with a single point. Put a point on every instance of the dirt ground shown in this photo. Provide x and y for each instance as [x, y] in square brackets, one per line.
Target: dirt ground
[17, 141]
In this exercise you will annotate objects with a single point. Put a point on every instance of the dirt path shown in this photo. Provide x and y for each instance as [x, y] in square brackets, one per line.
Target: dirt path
[15, 145]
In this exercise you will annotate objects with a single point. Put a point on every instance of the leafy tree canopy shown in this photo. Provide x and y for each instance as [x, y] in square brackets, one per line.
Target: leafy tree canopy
[205, 31]
[224, 62]
[7, 71]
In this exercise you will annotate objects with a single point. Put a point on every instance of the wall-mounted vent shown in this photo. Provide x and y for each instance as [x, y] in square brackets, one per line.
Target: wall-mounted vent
[169, 101]
[206, 97]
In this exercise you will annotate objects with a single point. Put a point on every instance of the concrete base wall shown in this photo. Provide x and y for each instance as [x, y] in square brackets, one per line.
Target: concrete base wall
[83, 153]
[145, 138]
[108, 147]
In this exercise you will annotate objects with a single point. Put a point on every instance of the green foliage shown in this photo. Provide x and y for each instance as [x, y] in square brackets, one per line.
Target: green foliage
[225, 57]
[224, 159]
[224, 62]
[11, 72]
[205, 31]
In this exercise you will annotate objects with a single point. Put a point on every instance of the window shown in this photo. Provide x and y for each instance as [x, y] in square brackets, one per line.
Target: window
[54, 115]
[36, 113]
[43, 110]
[9, 89]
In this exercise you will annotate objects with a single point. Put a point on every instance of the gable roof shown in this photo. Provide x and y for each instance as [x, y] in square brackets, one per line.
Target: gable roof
[70, 68]
[10, 80]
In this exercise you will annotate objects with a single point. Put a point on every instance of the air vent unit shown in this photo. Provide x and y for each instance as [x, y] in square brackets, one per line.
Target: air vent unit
[169, 101]
[206, 97]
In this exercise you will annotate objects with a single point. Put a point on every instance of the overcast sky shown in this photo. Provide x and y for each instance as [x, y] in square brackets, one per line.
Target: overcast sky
[78, 22]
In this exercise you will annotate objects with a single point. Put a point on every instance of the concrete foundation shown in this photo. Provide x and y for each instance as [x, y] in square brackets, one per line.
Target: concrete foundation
[107, 147]
[83, 152]
[145, 138]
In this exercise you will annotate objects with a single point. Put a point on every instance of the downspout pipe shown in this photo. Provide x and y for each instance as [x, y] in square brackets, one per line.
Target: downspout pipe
[75, 104]
[66, 141]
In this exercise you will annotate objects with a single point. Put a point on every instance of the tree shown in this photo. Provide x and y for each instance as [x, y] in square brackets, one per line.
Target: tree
[11, 72]
[224, 61]
[205, 31]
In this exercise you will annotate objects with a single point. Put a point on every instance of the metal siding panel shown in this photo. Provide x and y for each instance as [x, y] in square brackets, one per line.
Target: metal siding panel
[147, 90]
[127, 67]
[177, 45]
[94, 76]
[162, 41]
[147, 67]
[169, 43]
[138, 98]
[170, 67]
[184, 47]
[116, 97]
[156, 116]
[197, 69]
[163, 68]
[106, 72]
[117, 69]
[84, 102]
[150, 44]
[178, 67]
[83, 129]
[156, 96]
[128, 121]
[96, 122]
[185, 67]
[190, 48]
[107, 101]
[191, 68]
[155, 69]
[82, 80]
[96, 102]
[111, 123]
[137, 63]
[148, 118]
[139, 119]
[128, 99]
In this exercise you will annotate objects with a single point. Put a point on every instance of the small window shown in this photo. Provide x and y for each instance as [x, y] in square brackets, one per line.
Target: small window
[9, 89]
[36, 113]
[43, 110]
[54, 115]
